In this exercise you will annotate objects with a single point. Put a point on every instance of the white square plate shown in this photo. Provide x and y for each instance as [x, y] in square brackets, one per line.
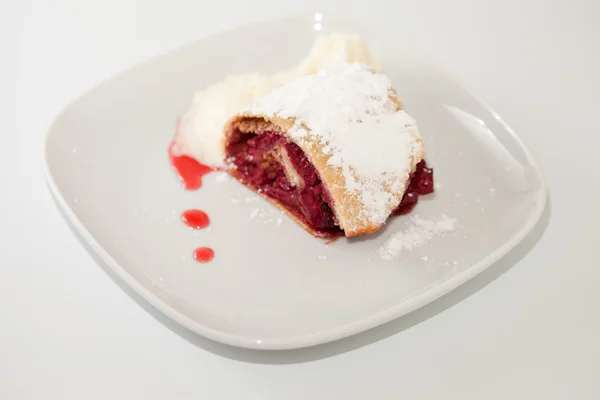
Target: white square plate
[271, 285]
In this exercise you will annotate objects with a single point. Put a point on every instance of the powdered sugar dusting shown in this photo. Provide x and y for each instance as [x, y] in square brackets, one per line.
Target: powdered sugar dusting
[348, 110]
[419, 232]
[223, 177]
[254, 213]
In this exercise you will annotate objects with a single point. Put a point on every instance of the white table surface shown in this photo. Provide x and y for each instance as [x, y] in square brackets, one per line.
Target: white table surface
[528, 328]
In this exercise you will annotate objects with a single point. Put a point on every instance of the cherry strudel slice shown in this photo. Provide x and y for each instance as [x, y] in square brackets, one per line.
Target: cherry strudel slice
[334, 150]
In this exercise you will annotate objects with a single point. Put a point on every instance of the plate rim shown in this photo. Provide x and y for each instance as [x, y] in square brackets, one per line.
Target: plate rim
[414, 302]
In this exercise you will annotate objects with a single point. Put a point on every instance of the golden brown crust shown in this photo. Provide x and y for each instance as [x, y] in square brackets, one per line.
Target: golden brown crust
[348, 209]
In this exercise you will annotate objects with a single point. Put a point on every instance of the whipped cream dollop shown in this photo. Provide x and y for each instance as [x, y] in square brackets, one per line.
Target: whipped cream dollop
[200, 129]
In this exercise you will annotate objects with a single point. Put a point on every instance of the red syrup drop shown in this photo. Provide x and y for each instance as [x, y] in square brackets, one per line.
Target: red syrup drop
[190, 171]
[195, 219]
[203, 254]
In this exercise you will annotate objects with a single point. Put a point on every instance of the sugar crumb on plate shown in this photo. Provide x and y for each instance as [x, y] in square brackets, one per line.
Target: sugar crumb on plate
[417, 234]
[254, 213]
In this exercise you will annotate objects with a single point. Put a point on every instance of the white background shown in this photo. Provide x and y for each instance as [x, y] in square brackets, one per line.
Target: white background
[528, 328]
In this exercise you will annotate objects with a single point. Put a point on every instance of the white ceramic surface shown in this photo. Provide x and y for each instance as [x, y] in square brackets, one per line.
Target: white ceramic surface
[525, 328]
[271, 285]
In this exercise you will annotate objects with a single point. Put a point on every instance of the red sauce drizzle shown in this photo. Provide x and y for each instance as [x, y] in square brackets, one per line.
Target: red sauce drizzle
[203, 254]
[196, 219]
[189, 170]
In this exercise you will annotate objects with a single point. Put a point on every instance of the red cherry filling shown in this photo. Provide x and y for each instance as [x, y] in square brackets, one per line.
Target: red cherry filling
[421, 183]
[280, 170]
